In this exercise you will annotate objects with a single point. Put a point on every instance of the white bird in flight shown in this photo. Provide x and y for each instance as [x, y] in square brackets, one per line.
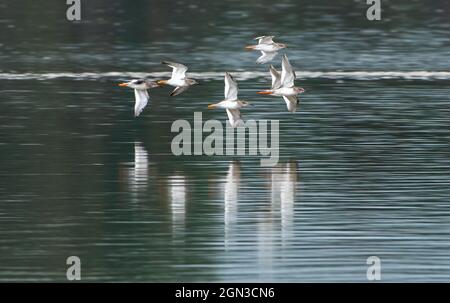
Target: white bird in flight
[267, 47]
[231, 102]
[283, 86]
[140, 87]
[178, 79]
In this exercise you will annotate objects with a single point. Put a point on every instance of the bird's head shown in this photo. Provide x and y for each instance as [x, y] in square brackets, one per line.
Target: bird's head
[139, 84]
[192, 82]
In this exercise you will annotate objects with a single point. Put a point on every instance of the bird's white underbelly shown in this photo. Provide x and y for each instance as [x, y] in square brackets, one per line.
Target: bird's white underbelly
[266, 47]
[285, 91]
[229, 104]
[177, 82]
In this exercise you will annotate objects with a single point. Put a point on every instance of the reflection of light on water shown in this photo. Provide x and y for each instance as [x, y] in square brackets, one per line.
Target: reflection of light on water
[177, 198]
[283, 179]
[283, 184]
[266, 244]
[139, 175]
[231, 189]
[288, 196]
[239, 75]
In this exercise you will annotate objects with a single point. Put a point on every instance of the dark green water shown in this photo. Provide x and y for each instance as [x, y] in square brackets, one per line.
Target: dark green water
[364, 163]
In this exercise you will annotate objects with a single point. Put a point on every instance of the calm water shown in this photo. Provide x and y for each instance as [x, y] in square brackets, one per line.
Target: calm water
[364, 164]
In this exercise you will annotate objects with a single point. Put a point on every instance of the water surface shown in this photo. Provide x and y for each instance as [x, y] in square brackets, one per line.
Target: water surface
[364, 163]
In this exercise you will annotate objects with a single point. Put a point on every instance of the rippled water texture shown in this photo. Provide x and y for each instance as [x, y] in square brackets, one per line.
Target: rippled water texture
[364, 165]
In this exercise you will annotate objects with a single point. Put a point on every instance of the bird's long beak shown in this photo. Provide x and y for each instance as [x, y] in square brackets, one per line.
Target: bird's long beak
[264, 92]
[123, 84]
[211, 106]
[250, 47]
[162, 82]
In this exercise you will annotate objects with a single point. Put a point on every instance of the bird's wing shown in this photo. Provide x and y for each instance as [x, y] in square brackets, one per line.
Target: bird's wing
[265, 39]
[178, 90]
[276, 78]
[291, 103]
[266, 57]
[178, 70]
[287, 73]
[234, 115]
[141, 101]
[231, 88]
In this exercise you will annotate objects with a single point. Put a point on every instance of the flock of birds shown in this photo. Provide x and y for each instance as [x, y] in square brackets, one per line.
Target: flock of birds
[282, 84]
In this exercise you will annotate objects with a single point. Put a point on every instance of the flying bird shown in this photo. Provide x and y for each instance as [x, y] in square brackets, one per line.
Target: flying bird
[268, 48]
[140, 87]
[283, 86]
[231, 103]
[178, 79]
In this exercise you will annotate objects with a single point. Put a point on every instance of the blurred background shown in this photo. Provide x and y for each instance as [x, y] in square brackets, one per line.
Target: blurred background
[364, 163]
[210, 35]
